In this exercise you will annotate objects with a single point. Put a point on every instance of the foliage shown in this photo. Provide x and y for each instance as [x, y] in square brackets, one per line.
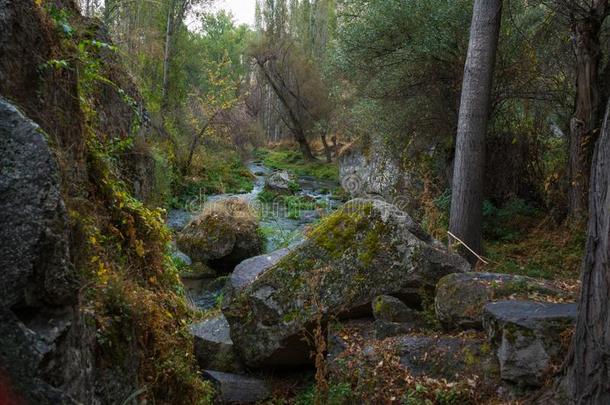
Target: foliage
[133, 294]
[292, 161]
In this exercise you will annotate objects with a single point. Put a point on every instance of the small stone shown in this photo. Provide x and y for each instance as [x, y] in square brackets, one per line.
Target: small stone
[391, 309]
[237, 388]
[213, 345]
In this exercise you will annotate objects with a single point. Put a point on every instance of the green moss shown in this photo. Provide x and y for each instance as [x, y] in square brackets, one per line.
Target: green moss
[292, 161]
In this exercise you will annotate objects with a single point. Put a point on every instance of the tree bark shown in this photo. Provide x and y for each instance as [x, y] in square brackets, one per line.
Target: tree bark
[327, 151]
[584, 124]
[169, 29]
[587, 374]
[467, 190]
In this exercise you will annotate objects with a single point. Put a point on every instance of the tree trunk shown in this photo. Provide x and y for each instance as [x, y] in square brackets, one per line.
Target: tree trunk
[327, 151]
[584, 122]
[167, 58]
[467, 190]
[304, 146]
[587, 374]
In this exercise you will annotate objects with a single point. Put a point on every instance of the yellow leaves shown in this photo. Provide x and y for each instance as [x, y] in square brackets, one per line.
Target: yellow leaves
[38, 2]
[139, 248]
[102, 272]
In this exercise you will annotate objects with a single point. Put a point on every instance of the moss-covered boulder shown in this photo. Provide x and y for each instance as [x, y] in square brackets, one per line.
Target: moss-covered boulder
[460, 298]
[225, 233]
[365, 249]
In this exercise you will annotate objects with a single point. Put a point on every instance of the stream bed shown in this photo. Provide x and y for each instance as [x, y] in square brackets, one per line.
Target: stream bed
[281, 226]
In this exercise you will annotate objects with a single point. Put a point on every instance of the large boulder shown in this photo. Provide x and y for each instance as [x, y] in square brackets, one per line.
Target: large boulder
[460, 298]
[280, 183]
[34, 253]
[365, 249]
[213, 345]
[225, 233]
[377, 170]
[528, 336]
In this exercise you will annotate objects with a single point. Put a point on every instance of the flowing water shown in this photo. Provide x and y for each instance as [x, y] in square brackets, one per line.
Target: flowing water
[280, 225]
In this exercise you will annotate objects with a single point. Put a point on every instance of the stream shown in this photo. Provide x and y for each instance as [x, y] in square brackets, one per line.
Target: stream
[280, 227]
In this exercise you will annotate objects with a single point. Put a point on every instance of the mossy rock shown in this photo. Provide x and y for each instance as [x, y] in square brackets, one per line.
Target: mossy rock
[365, 249]
[226, 233]
[528, 337]
[460, 298]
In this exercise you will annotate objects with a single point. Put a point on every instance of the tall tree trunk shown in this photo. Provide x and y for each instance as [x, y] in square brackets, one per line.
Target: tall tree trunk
[169, 29]
[584, 122]
[467, 190]
[587, 376]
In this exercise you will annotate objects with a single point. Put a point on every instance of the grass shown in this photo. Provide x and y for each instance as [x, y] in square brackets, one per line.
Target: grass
[543, 251]
[292, 161]
[217, 172]
[520, 239]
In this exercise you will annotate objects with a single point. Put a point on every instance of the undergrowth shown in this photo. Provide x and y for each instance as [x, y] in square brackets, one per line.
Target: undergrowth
[131, 290]
[292, 161]
[216, 172]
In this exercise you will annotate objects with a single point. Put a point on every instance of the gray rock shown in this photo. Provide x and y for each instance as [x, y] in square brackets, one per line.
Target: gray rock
[378, 172]
[460, 298]
[391, 309]
[237, 388]
[34, 255]
[352, 342]
[21, 355]
[445, 357]
[213, 345]
[177, 220]
[279, 182]
[528, 337]
[393, 317]
[386, 329]
[365, 249]
[247, 271]
[182, 257]
[223, 235]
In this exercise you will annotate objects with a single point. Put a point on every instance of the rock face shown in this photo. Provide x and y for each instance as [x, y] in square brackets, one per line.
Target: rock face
[234, 388]
[279, 183]
[528, 337]
[223, 235]
[460, 298]
[34, 255]
[365, 249]
[213, 345]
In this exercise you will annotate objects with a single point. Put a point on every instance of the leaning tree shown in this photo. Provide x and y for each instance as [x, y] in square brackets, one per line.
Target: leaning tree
[467, 189]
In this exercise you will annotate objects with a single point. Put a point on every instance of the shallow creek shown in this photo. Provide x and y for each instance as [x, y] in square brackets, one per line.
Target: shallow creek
[280, 227]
